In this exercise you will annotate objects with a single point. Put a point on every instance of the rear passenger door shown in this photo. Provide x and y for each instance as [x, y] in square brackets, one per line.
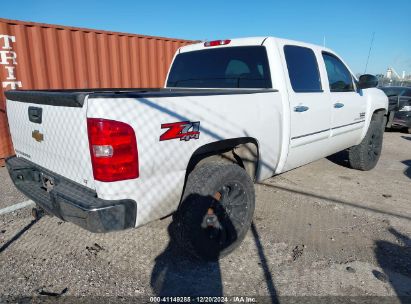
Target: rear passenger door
[310, 108]
[348, 104]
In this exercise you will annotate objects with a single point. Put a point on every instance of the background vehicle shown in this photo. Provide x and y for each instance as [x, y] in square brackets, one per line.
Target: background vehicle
[232, 112]
[399, 107]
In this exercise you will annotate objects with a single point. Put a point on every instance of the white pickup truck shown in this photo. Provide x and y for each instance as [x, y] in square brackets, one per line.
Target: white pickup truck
[232, 112]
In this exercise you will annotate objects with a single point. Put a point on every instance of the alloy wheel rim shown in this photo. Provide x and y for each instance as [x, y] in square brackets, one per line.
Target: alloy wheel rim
[373, 147]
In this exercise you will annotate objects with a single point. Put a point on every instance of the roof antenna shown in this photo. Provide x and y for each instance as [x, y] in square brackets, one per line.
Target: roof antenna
[369, 52]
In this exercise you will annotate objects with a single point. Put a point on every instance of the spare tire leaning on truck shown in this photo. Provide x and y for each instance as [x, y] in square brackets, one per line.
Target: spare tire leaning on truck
[216, 210]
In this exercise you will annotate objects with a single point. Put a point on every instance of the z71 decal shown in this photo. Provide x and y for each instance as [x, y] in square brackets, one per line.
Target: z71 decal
[185, 130]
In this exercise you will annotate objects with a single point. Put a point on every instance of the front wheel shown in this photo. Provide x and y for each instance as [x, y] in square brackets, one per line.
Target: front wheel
[216, 210]
[365, 156]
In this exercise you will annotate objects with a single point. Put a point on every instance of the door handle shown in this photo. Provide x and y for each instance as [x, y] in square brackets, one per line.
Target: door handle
[338, 105]
[300, 108]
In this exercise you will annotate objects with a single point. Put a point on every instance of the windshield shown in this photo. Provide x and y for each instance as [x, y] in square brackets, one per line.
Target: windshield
[229, 67]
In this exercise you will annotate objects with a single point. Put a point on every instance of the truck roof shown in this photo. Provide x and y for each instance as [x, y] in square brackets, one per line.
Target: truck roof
[259, 40]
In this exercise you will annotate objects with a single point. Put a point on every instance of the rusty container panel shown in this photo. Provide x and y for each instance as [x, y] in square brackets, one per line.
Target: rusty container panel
[5, 141]
[43, 56]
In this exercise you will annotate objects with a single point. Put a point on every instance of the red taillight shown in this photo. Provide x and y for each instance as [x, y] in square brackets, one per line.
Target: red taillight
[217, 42]
[113, 149]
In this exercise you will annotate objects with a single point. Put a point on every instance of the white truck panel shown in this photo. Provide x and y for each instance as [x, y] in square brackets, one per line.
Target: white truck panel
[65, 148]
[163, 163]
[375, 99]
[280, 83]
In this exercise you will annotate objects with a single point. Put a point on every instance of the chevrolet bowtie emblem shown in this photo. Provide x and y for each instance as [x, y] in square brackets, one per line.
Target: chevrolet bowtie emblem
[37, 135]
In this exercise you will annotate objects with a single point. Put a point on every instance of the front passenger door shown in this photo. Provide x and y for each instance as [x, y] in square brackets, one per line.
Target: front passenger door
[348, 105]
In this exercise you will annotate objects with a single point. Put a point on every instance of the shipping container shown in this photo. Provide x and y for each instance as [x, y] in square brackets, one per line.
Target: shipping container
[44, 56]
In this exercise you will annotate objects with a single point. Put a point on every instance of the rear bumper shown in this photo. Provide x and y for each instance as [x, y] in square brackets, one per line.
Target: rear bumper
[70, 201]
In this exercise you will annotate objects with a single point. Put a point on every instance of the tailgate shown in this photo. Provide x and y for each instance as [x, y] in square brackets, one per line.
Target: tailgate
[50, 130]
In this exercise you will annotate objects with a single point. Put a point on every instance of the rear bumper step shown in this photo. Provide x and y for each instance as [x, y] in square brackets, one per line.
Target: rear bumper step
[70, 201]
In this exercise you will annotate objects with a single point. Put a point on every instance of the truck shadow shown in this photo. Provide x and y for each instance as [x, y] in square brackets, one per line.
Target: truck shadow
[18, 235]
[336, 201]
[340, 158]
[395, 260]
[177, 274]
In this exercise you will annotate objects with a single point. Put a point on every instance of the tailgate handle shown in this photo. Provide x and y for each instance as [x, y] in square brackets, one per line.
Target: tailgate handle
[35, 114]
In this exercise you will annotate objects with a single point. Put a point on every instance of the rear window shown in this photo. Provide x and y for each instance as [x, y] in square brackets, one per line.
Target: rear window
[229, 67]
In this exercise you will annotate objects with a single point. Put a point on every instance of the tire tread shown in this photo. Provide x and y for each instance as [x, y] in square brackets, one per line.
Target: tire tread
[357, 155]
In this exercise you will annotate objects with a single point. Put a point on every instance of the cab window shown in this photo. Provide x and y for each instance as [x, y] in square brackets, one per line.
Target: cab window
[339, 77]
[226, 67]
[302, 69]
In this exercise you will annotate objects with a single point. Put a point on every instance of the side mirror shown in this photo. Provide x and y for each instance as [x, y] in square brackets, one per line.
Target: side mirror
[367, 81]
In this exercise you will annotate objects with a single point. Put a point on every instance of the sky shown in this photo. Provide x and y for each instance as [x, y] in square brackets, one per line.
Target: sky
[346, 26]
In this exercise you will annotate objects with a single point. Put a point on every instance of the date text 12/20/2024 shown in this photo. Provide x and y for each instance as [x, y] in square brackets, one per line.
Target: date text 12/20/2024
[222, 299]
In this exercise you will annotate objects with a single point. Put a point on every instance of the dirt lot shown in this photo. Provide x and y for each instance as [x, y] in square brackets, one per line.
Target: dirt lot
[320, 230]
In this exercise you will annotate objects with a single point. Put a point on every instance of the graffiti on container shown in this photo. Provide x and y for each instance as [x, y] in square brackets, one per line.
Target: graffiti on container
[8, 59]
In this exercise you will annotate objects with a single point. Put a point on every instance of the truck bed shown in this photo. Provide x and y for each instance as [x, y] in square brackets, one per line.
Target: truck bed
[75, 98]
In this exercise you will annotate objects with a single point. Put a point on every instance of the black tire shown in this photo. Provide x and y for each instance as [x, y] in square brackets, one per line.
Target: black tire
[216, 210]
[365, 156]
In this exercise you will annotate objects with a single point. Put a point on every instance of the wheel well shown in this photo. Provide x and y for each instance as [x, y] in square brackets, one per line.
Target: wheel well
[241, 151]
[378, 112]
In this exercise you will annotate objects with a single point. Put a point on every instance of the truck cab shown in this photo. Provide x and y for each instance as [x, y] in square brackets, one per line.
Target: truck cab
[324, 104]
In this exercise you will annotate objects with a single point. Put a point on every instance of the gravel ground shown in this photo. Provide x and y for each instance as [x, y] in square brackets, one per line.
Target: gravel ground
[320, 230]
